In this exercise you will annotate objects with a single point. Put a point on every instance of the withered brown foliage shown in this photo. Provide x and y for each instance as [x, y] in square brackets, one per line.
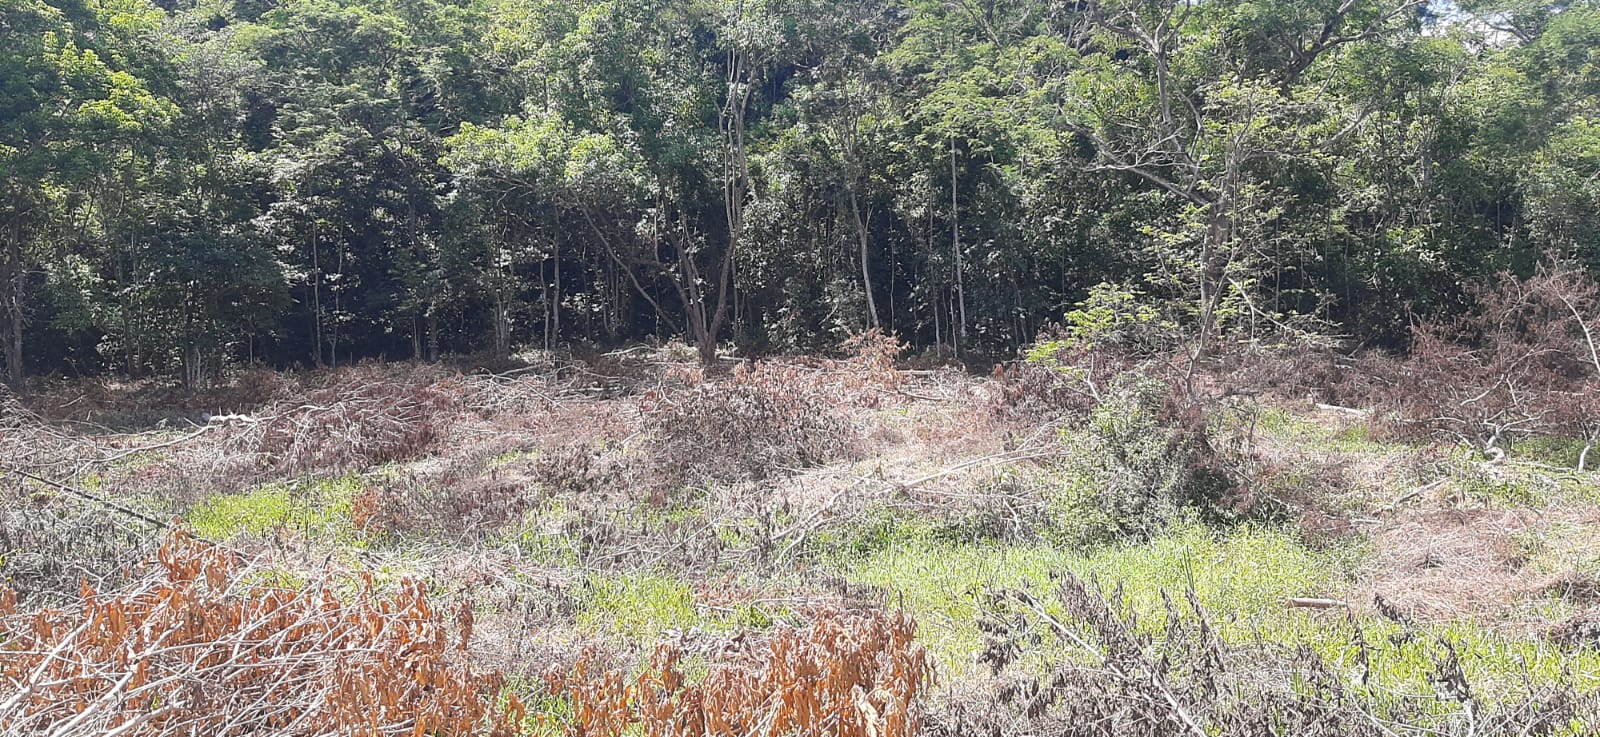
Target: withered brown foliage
[358, 418]
[849, 674]
[1523, 363]
[462, 508]
[200, 645]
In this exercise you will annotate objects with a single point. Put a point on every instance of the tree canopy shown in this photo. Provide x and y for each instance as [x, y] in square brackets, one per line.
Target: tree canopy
[187, 185]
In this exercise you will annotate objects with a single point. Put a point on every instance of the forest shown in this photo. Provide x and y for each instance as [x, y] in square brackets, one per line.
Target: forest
[189, 187]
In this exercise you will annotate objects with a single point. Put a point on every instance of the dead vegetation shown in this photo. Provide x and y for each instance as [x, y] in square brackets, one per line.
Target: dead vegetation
[204, 643]
[201, 645]
[1524, 364]
[530, 492]
[849, 674]
[759, 421]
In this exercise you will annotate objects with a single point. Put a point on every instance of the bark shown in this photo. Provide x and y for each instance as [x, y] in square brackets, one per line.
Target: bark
[955, 246]
[502, 324]
[866, 258]
[12, 283]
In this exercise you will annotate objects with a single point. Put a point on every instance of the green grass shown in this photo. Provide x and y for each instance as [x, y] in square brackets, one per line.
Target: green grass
[1284, 424]
[317, 509]
[638, 607]
[1552, 451]
[1499, 667]
[1241, 577]
[1520, 482]
[512, 456]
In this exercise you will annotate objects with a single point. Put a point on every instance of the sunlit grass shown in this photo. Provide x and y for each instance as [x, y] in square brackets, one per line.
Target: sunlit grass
[319, 509]
[1241, 577]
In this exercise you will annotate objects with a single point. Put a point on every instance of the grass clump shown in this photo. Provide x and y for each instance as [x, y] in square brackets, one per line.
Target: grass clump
[638, 607]
[315, 509]
[1245, 573]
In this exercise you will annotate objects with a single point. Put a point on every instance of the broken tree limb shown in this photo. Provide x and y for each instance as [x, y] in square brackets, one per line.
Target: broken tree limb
[1295, 602]
[1346, 410]
[1414, 493]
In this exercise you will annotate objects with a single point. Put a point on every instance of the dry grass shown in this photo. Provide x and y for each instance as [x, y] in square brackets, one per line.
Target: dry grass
[1445, 564]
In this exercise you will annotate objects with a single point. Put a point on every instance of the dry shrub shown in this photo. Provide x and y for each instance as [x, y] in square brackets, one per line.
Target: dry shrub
[456, 506]
[249, 390]
[875, 351]
[1112, 675]
[27, 441]
[870, 369]
[1579, 630]
[850, 674]
[358, 418]
[1301, 487]
[1028, 394]
[201, 646]
[1522, 364]
[1293, 372]
[50, 542]
[754, 422]
[576, 468]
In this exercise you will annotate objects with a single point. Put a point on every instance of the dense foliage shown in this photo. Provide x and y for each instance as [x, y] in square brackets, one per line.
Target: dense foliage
[191, 184]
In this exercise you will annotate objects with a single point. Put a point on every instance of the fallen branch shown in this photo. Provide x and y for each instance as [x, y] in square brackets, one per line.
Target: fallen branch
[1413, 494]
[1295, 602]
[107, 503]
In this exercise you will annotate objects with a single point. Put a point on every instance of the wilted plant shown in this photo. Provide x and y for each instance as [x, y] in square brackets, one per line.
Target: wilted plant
[204, 645]
[362, 417]
[872, 354]
[1525, 362]
[850, 674]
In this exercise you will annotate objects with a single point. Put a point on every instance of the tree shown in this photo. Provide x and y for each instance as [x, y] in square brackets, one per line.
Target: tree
[61, 103]
[1212, 106]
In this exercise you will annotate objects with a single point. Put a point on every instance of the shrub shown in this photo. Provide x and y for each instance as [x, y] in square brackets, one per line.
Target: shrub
[755, 422]
[1115, 674]
[1111, 333]
[1523, 363]
[1139, 457]
[361, 417]
[458, 507]
[49, 543]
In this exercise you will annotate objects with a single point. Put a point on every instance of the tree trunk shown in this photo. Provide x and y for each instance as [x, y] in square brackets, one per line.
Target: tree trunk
[955, 246]
[502, 324]
[12, 277]
[433, 337]
[316, 300]
[416, 337]
[866, 273]
[555, 305]
[705, 345]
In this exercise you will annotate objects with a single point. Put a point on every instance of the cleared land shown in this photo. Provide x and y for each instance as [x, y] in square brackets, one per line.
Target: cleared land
[624, 544]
